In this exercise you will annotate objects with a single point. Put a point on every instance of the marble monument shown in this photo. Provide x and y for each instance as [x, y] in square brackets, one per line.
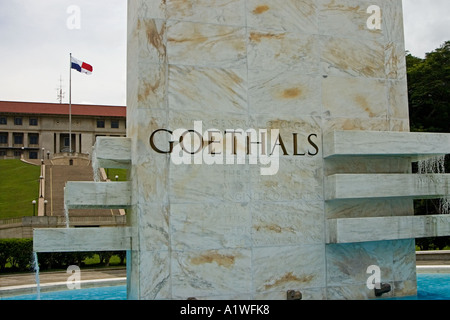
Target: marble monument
[268, 151]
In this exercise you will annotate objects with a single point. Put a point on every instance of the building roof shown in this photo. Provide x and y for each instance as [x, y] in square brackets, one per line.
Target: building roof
[61, 109]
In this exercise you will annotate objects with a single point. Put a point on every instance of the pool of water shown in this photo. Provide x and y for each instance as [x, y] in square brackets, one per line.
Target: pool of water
[101, 293]
[429, 287]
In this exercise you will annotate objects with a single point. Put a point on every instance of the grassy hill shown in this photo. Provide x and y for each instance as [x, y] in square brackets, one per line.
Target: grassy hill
[121, 173]
[19, 185]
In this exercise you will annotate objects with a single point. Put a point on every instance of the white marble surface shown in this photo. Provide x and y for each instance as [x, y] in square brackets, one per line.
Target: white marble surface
[347, 266]
[82, 239]
[304, 67]
[104, 195]
[353, 230]
[377, 143]
[371, 186]
[112, 152]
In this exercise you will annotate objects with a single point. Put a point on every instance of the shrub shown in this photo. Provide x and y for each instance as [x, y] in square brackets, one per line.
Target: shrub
[61, 260]
[17, 254]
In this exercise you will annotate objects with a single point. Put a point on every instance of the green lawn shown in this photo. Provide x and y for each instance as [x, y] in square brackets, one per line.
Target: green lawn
[122, 173]
[19, 185]
[95, 261]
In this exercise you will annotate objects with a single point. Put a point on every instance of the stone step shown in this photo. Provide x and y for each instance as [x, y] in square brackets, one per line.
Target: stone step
[57, 177]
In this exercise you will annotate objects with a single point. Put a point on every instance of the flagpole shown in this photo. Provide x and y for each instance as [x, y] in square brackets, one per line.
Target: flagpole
[70, 105]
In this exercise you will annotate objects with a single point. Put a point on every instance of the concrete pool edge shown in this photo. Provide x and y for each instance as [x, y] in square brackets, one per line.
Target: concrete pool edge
[433, 269]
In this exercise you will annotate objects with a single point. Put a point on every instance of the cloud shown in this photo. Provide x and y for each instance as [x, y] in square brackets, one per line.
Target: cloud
[427, 25]
[35, 43]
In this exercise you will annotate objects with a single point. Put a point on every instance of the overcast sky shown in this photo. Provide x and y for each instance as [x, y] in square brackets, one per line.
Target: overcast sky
[35, 42]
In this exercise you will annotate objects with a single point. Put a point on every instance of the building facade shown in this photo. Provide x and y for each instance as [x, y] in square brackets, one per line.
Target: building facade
[41, 130]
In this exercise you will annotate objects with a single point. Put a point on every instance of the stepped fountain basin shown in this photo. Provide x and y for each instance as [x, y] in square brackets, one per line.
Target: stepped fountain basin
[365, 186]
[82, 239]
[97, 195]
[354, 230]
[413, 145]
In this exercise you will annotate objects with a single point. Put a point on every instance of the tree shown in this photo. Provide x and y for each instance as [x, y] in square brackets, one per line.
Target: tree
[429, 90]
[429, 109]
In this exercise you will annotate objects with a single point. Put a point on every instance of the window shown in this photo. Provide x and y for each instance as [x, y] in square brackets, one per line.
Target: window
[33, 138]
[100, 123]
[33, 122]
[3, 120]
[33, 155]
[115, 124]
[18, 138]
[3, 138]
[2, 153]
[18, 121]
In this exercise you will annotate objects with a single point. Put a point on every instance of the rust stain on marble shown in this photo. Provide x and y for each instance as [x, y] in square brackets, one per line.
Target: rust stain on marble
[234, 79]
[198, 37]
[368, 71]
[394, 59]
[364, 104]
[349, 125]
[226, 261]
[270, 184]
[274, 228]
[155, 37]
[147, 88]
[362, 101]
[364, 61]
[289, 277]
[334, 6]
[184, 7]
[292, 93]
[261, 9]
[258, 37]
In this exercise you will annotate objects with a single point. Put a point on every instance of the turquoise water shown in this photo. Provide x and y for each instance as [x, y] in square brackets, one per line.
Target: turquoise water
[429, 287]
[432, 287]
[102, 293]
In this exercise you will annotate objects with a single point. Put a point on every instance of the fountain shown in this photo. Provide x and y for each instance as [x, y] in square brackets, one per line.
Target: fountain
[35, 265]
[435, 165]
[338, 199]
[431, 165]
[66, 214]
[95, 167]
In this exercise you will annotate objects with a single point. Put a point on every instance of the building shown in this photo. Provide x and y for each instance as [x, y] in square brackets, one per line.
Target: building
[41, 130]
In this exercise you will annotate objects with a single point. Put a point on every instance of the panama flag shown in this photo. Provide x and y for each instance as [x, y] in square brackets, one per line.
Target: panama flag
[81, 66]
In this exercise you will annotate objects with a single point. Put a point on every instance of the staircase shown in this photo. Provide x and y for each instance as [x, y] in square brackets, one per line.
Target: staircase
[56, 177]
